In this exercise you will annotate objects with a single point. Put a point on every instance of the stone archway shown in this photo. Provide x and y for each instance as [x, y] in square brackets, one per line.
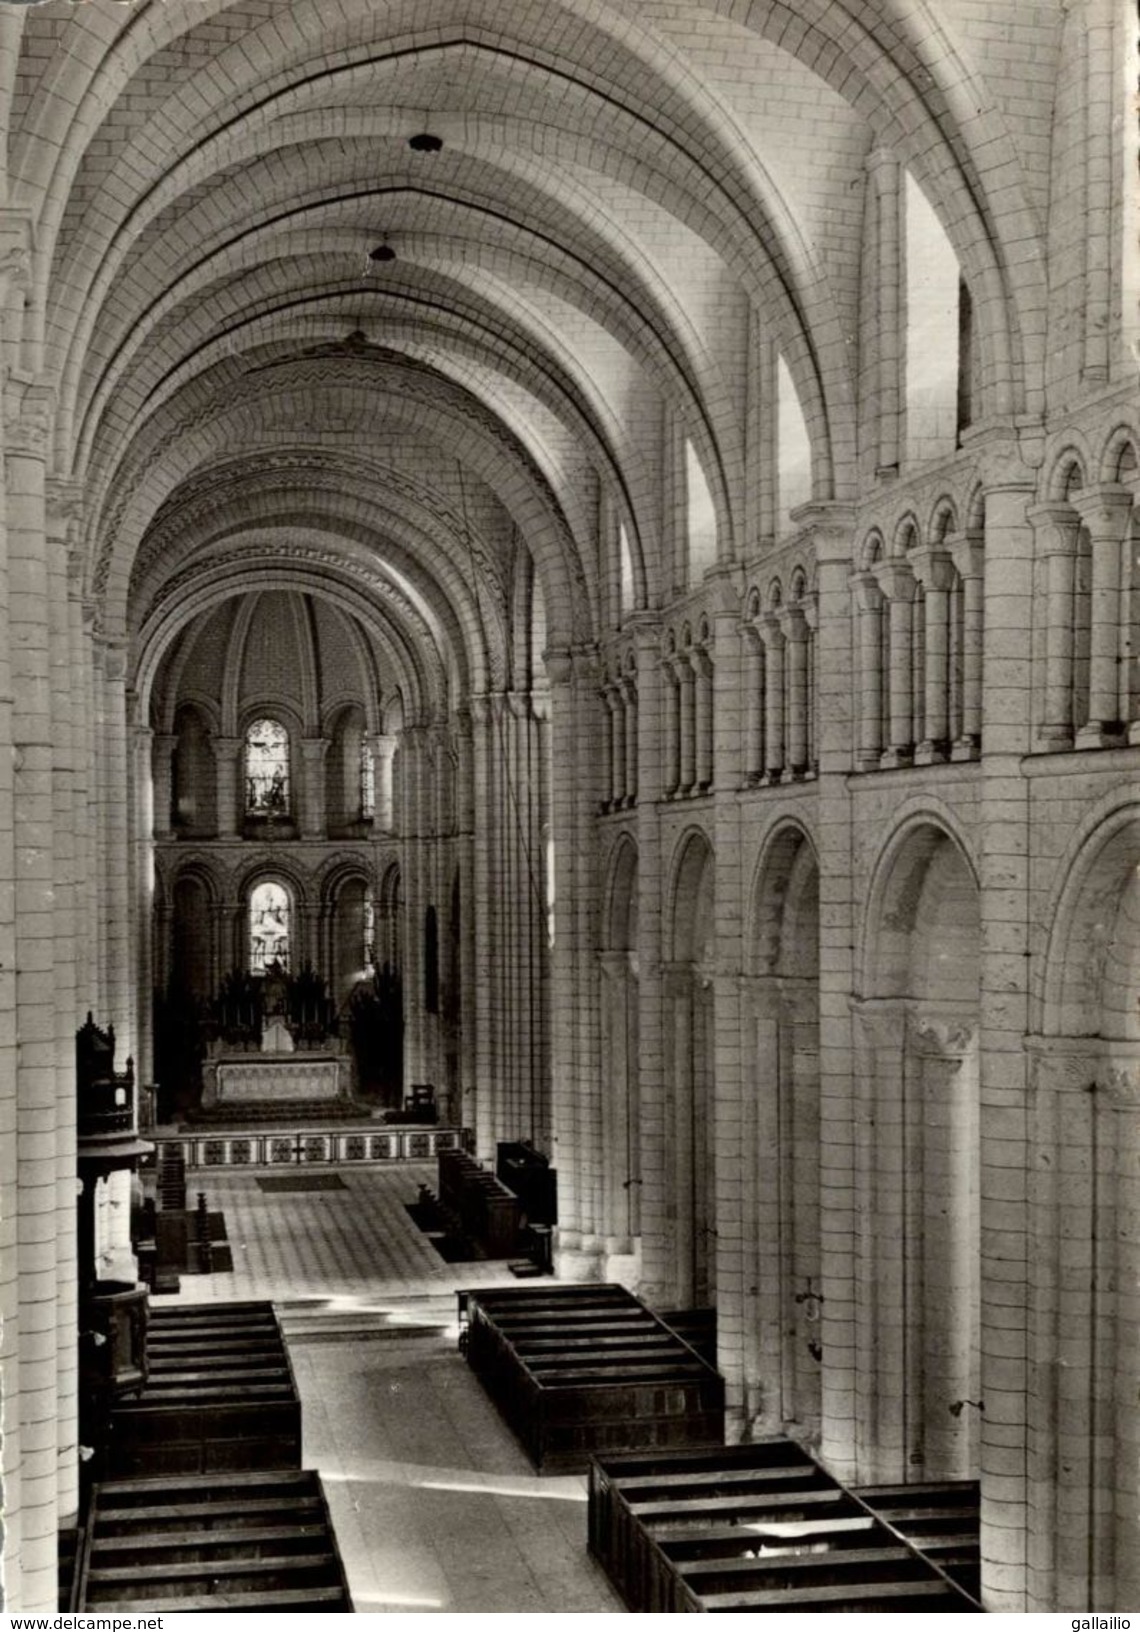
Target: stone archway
[1085, 1243]
[917, 1162]
[690, 1071]
[621, 1100]
[783, 1047]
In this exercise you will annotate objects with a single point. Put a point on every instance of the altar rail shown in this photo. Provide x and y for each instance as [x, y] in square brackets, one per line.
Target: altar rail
[312, 1147]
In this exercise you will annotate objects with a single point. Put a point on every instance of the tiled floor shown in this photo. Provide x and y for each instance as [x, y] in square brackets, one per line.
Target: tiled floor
[435, 1506]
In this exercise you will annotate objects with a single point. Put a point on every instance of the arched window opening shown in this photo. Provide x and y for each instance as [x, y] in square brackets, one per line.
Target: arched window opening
[956, 646]
[1082, 629]
[367, 782]
[934, 384]
[267, 769]
[793, 448]
[965, 359]
[548, 856]
[918, 666]
[701, 517]
[193, 776]
[270, 912]
[369, 934]
[625, 557]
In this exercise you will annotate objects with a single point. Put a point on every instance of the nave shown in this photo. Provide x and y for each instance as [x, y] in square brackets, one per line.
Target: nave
[570, 573]
[435, 1506]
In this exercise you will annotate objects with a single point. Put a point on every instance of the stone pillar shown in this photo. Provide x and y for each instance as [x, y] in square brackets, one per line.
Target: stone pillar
[1080, 1461]
[655, 686]
[833, 529]
[811, 663]
[616, 702]
[774, 642]
[702, 719]
[621, 1175]
[142, 892]
[869, 599]
[629, 694]
[1105, 512]
[39, 1075]
[63, 514]
[465, 822]
[897, 583]
[607, 753]
[162, 771]
[413, 818]
[888, 350]
[670, 729]
[754, 716]
[230, 783]
[313, 822]
[686, 713]
[41, 1600]
[383, 752]
[969, 559]
[1055, 542]
[576, 1108]
[936, 572]
[795, 635]
[1007, 915]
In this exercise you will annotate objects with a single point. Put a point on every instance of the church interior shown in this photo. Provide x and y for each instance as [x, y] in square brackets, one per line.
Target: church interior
[570, 582]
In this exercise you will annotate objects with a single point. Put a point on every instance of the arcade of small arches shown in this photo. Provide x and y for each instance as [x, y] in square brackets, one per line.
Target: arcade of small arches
[646, 586]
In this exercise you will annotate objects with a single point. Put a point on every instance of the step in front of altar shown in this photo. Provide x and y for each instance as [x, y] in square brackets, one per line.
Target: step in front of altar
[302, 1144]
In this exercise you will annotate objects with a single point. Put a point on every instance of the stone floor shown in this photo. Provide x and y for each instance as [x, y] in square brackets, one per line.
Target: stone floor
[436, 1508]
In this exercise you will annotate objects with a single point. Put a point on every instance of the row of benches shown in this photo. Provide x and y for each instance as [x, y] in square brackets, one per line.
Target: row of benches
[489, 1214]
[754, 1528]
[578, 1370]
[201, 1502]
[682, 1522]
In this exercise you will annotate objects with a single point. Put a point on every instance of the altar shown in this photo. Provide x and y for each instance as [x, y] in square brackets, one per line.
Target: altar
[275, 1041]
[256, 1079]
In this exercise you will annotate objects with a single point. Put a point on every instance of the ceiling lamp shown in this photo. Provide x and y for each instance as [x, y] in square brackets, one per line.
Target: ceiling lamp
[425, 142]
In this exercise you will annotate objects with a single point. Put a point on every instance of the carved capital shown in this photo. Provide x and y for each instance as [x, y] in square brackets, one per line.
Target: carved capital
[27, 421]
[944, 1036]
[112, 658]
[1121, 1083]
[934, 568]
[17, 241]
[1105, 511]
[868, 595]
[559, 666]
[63, 499]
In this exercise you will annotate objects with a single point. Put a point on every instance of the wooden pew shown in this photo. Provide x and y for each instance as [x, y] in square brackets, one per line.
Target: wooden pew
[219, 1395]
[752, 1528]
[489, 1214]
[239, 1541]
[582, 1369]
[941, 1520]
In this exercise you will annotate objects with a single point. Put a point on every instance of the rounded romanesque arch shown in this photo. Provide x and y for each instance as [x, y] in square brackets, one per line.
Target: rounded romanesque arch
[619, 964]
[689, 1065]
[918, 1177]
[782, 1109]
[1084, 1150]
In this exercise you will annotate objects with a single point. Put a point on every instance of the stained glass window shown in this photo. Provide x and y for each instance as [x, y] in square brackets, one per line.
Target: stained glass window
[267, 769]
[367, 782]
[269, 909]
[369, 932]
